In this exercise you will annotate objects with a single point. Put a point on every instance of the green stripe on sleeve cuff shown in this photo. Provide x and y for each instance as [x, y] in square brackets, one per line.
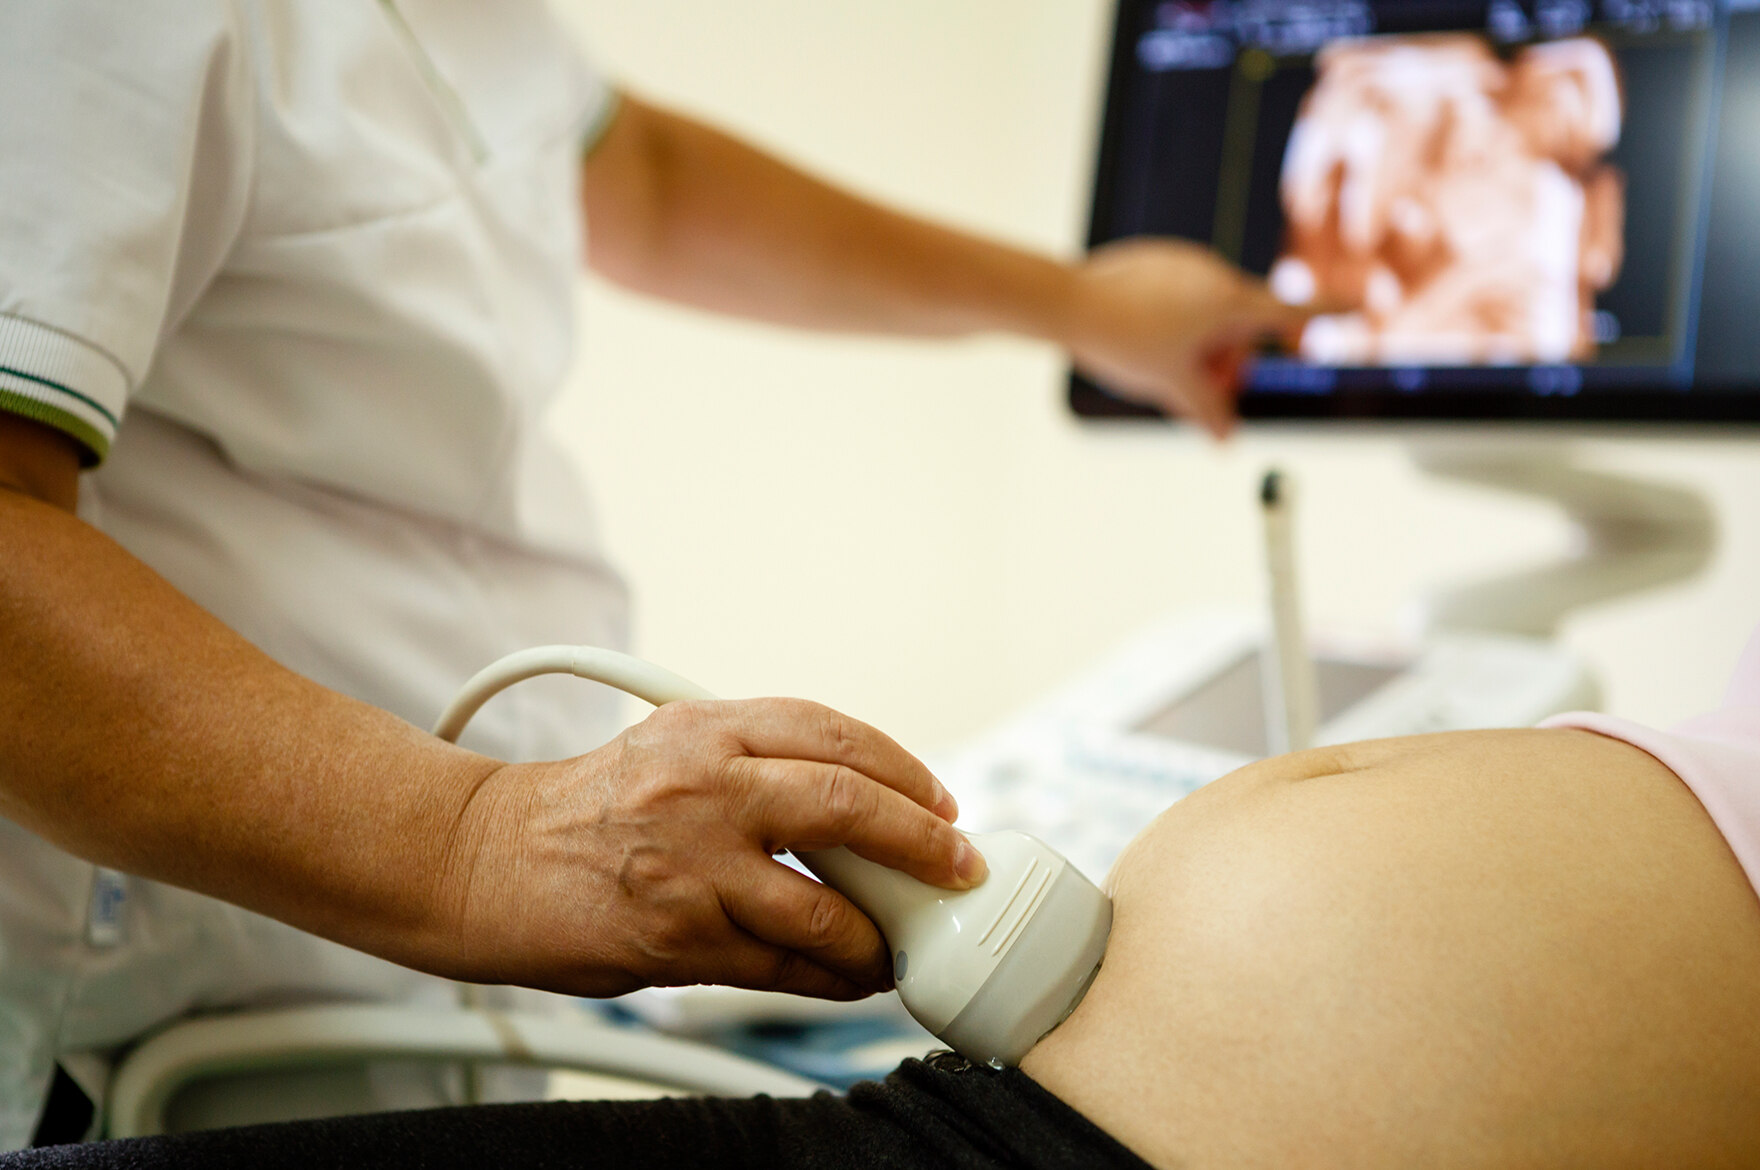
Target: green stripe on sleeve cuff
[95, 442]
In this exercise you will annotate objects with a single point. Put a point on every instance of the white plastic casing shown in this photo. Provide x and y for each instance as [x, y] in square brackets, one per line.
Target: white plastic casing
[991, 969]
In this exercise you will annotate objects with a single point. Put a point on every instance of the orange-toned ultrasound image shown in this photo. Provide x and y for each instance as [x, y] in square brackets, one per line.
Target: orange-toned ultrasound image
[1448, 206]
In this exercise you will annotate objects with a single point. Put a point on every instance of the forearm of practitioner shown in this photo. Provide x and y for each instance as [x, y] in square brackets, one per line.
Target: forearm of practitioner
[681, 210]
[139, 732]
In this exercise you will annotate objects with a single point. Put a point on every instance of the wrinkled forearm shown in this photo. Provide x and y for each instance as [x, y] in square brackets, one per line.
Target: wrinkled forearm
[139, 732]
[682, 211]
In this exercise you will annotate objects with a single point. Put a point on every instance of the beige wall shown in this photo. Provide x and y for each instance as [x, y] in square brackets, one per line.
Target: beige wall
[917, 533]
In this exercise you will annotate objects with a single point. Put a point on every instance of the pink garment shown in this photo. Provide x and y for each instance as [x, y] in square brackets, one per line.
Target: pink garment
[1718, 755]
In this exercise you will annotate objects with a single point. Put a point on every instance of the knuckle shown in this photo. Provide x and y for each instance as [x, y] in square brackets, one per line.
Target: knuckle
[825, 924]
[778, 706]
[660, 741]
[939, 839]
[685, 717]
[637, 741]
[839, 733]
[738, 779]
[775, 711]
[846, 799]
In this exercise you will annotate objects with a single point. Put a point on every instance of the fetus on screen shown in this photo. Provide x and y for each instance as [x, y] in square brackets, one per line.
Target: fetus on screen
[1454, 205]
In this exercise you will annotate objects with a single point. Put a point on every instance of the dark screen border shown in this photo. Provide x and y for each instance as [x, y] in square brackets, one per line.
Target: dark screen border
[1723, 403]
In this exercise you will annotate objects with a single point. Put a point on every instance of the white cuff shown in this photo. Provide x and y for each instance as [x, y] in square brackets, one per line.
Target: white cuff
[57, 379]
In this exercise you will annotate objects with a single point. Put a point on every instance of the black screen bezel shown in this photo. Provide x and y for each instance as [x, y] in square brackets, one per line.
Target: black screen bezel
[1649, 404]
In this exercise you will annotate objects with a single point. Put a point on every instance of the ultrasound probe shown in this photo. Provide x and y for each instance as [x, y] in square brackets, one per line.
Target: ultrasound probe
[987, 970]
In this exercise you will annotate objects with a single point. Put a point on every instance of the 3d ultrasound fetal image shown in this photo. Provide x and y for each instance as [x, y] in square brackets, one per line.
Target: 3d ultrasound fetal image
[1447, 205]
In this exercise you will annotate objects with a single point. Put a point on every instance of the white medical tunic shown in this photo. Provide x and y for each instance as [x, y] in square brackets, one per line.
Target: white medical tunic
[300, 276]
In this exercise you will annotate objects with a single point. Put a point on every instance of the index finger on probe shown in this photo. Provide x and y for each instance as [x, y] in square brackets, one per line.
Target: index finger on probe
[807, 805]
[797, 729]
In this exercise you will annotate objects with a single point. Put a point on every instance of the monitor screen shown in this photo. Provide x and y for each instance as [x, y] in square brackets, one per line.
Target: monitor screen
[1504, 210]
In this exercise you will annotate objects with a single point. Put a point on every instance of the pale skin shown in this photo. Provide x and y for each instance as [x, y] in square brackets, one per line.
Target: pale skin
[1480, 949]
[139, 732]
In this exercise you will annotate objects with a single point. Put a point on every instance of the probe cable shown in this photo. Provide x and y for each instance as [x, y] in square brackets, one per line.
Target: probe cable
[627, 673]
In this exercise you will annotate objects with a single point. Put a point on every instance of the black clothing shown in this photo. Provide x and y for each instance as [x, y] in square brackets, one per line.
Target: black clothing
[947, 1114]
[67, 1114]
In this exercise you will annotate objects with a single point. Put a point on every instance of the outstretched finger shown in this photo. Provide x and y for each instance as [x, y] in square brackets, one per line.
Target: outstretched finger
[1224, 366]
[1210, 403]
[1258, 313]
[791, 911]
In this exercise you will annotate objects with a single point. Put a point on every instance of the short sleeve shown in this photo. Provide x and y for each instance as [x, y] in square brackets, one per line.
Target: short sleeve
[511, 60]
[124, 174]
[599, 103]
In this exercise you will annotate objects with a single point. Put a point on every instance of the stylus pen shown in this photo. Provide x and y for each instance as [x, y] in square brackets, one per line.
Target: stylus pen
[1292, 698]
